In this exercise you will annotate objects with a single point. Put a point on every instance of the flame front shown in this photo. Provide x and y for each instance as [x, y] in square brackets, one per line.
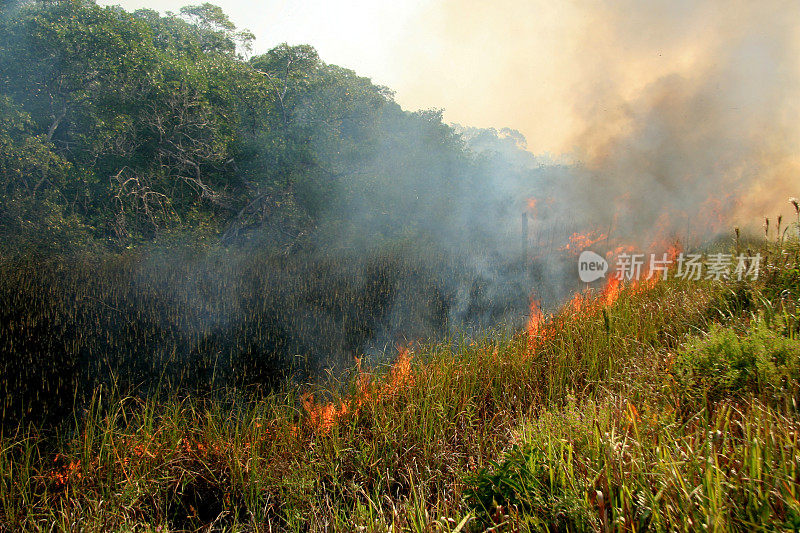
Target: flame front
[536, 318]
[323, 417]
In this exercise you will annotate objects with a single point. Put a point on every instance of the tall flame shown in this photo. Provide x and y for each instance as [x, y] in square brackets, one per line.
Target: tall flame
[535, 319]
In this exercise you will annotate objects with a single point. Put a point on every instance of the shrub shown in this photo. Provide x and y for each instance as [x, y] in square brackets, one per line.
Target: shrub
[534, 483]
[724, 364]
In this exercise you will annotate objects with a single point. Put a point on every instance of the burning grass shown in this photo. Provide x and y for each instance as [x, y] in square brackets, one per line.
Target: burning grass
[583, 422]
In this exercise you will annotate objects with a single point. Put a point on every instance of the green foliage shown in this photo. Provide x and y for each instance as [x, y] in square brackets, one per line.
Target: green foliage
[535, 484]
[599, 445]
[784, 283]
[145, 132]
[613, 467]
[164, 126]
[725, 364]
[192, 320]
[32, 181]
[123, 129]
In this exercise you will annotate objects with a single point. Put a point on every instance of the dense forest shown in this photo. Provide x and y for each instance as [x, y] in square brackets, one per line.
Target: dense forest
[125, 128]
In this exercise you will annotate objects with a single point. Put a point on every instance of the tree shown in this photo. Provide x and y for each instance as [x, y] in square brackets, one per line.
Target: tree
[32, 183]
[216, 31]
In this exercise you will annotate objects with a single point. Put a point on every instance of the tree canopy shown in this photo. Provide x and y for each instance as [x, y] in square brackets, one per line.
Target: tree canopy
[124, 127]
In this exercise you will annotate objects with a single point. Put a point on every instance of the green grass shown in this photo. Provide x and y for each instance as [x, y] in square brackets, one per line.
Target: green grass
[726, 364]
[611, 466]
[674, 408]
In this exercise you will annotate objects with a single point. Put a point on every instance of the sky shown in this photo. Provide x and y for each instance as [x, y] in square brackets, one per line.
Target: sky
[367, 36]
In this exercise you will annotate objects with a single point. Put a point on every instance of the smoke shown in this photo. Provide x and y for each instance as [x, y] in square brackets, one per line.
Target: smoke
[713, 140]
[680, 117]
[669, 120]
[672, 121]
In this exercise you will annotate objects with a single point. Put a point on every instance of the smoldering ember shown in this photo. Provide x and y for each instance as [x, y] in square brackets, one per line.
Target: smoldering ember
[399, 266]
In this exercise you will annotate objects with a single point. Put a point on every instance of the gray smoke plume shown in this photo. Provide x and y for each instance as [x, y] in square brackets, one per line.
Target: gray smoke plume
[679, 117]
[699, 148]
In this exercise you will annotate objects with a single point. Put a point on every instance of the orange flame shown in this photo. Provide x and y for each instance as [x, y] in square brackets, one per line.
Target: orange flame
[68, 472]
[639, 286]
[580, 241]
[537, 328]
[674, 250]
[611, 291]
[584, 304]
[535, 320]
[322, 418]
[622, 249]
[400, 375]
